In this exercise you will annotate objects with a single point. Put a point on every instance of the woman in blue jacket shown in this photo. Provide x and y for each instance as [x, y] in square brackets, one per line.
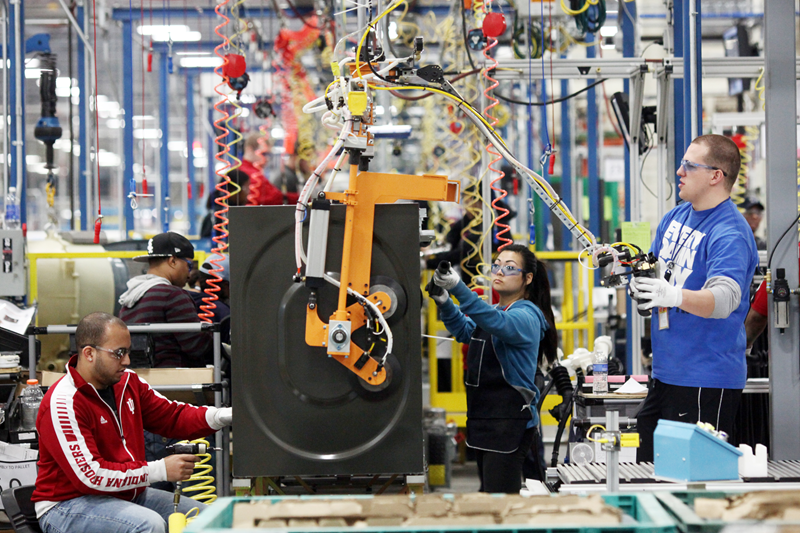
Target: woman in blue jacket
[504, 346]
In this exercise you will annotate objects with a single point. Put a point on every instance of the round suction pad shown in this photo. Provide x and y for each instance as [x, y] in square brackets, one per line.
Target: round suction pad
[395, 292]
[394, 378]
[494, 25]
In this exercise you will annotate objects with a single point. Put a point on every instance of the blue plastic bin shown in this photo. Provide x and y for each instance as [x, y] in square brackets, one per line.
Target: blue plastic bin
[684, 452]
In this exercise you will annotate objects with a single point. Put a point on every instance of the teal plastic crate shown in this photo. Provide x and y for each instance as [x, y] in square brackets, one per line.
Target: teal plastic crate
[643, 514]
[680, 506]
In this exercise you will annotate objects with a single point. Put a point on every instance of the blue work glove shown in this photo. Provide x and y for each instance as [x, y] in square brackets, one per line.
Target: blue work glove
[446, 278]
[655, 292]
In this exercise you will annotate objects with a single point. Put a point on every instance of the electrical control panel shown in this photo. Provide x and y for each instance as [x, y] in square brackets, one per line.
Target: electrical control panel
[13, 271]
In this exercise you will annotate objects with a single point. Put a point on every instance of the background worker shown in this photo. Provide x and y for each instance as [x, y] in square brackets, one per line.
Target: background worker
[706, 258]
[238, 179]
[754, 214]
[158, 297]
[93, 476]
[504, 345]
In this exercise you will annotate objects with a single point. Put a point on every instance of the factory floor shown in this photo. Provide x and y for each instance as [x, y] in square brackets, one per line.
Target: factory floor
[464, 479]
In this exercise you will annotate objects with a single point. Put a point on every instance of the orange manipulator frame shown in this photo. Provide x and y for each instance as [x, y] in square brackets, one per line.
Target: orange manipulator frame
[366, 189]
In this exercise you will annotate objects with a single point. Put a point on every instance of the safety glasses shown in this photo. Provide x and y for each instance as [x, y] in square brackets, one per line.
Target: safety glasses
[117, 354]
[689, 167]
[506, 270]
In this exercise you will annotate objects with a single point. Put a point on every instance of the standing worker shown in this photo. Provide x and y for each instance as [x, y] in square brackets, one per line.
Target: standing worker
[706, 258]
[504, 346]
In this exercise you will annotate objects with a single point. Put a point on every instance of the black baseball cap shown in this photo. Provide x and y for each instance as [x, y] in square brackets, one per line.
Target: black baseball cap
[167, 245]
[751, 202]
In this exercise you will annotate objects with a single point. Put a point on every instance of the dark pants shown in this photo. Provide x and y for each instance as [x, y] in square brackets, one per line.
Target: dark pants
[502, 472]
[684, 404]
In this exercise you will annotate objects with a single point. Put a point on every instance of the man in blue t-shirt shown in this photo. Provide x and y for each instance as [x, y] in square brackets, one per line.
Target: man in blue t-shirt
[706, 257]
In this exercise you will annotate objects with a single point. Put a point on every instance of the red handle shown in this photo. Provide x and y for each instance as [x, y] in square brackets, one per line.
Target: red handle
[552, 164]
[144, 185]
[98, 225]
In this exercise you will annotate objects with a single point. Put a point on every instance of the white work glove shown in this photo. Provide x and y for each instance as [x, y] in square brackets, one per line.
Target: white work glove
[446, 281]
[440, 299]
[656, 292]
[219, 418]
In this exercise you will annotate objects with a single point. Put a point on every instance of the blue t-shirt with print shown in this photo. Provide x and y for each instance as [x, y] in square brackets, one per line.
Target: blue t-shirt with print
[696, 246]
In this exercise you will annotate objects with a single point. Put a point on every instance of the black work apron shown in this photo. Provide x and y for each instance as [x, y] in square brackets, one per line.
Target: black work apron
[497, 414]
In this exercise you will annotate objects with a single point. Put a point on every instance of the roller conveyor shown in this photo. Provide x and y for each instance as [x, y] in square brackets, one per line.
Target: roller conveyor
[595, 473]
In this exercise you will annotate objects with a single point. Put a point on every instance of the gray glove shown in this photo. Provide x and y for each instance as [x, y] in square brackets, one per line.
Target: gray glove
[440, 298]
[446, 280]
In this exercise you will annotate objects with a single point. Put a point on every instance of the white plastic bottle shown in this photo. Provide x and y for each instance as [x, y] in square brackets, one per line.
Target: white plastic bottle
[602, 347]
[30, 399]
[12, 220]
[600, 372]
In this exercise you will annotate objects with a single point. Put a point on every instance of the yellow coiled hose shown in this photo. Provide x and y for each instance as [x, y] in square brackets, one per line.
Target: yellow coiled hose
[202, 487]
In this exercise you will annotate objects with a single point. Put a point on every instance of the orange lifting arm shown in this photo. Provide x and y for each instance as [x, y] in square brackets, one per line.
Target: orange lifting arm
[366, 189]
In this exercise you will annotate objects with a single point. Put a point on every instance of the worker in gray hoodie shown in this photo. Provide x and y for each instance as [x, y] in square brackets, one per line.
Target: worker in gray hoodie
[158, 297]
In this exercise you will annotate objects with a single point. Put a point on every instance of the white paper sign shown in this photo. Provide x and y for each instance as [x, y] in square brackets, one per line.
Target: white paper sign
[17, 466]
[14, 318]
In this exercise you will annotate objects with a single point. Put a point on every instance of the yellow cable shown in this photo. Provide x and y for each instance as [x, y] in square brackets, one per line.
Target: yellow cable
[569, 11]
[588, 433]
[573, 40]
[366, 32]
[445, 93]
[203, 488]
[762, 88]
[462, 103]
[632, 247]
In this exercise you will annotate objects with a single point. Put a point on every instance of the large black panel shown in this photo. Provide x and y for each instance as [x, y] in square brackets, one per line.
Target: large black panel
[299, 412]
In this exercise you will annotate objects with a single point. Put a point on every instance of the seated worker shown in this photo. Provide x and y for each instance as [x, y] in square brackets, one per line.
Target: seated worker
[158, 298]
[222, 305]
[93, 476]
[238, 178]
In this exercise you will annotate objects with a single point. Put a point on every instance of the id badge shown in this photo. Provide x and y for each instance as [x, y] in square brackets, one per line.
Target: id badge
[663, 318]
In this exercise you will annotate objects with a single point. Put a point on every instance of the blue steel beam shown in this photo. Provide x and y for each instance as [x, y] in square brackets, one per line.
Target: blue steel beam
[540, 205]
[566, 162]
[679, 99]
[192, 208]
[690, 77]
[16, 175]
[128, 181]
[629, 50]
[163, 118]
[83, 133]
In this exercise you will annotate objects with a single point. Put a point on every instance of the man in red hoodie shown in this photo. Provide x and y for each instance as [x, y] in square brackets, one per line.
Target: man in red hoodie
[93, 476]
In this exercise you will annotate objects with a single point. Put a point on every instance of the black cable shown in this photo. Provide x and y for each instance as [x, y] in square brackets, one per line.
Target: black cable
[561, 425]
[769, 262]
[556, 101]
[464, 29]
